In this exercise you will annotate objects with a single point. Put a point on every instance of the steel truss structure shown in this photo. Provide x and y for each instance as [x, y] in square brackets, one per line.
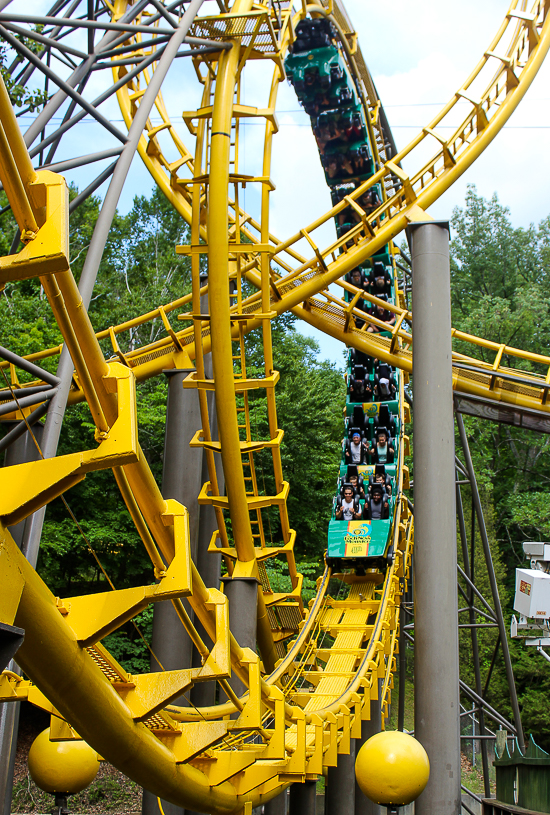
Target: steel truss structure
[306, 701]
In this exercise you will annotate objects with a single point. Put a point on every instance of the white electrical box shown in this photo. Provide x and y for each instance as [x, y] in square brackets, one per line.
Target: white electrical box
[538, 550]
[532, 594]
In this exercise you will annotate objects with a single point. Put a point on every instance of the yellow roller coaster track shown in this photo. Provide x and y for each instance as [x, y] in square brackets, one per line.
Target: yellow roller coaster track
[307, 701]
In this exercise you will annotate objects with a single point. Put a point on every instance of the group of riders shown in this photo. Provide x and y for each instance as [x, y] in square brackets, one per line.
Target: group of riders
[324, 87]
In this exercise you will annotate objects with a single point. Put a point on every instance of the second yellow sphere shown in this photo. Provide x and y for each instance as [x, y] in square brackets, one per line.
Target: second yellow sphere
[62, 766]
[392, 768]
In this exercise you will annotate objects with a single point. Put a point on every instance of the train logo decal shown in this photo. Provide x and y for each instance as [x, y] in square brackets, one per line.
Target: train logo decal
[358, 538]
[371, 409]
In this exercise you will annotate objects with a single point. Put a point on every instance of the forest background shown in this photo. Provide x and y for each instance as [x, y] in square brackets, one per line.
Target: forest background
[500, 290]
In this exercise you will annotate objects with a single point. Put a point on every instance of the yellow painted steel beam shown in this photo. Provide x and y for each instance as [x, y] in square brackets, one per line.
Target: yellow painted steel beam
[72, 681]
[219, 306]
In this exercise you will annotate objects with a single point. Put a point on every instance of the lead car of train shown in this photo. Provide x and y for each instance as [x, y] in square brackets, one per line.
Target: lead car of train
[360, 529]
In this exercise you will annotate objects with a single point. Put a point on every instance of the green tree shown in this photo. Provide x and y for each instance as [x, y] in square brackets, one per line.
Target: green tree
[21, 95]
[500, 290]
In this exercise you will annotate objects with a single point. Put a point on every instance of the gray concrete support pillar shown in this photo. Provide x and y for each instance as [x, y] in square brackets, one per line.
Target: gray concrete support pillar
[302, 798]
[209, 566]
[278, 805]
[182, 470]
[370, 727]
[242, 593]
[340, 786]
[436, 697]
[22, 450]
[181, 480]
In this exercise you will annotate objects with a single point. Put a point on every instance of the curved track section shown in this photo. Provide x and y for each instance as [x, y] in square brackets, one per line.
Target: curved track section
[304, 710]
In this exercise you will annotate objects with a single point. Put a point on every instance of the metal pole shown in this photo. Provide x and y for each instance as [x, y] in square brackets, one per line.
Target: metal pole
[91, 188]
[108, 209]
[302, 798]
[9, 728]
[402, 667]
[22, 450]
[21, 427]
[80, 161]
[242, 593]
[437, 722]
[492, 582]
[181, 477]
[369, 727]
[278, 805]
[475, 647]
[340, 786]
[209, 567]
[208, 564]
[181, 480]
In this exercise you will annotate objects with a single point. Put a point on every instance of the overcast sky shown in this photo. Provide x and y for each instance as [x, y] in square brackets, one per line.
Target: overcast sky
[419, 54]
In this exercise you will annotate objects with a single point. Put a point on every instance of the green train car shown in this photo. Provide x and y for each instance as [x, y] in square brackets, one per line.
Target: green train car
[360, 529]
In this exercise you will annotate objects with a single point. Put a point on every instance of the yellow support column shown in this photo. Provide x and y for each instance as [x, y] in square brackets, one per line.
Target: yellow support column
[222, 354]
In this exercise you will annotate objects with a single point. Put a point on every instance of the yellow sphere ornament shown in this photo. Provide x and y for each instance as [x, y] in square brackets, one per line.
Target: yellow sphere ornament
[392, 768]
[62, 766]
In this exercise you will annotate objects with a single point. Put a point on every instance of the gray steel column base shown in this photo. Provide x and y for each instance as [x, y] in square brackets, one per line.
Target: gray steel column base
[278, 805]
[242, 593]
[436, 692]
[9, 729]
[363, 805]
[203, 694]
[340, 786]
[302, 798]
[170, 642]
[181, 480]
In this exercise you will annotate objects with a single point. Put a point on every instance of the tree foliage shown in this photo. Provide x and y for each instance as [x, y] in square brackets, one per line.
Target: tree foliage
[20, 94]
[500, 290]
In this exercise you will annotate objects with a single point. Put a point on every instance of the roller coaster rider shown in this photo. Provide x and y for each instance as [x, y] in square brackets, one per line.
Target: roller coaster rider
[352, 477]
[348, 507]
[379, 281]
[369, 201]
[354, 450]
[377, 505]
[382, 314]
[360, 387]
[381, 451]
[356, 278]
[381, 477]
